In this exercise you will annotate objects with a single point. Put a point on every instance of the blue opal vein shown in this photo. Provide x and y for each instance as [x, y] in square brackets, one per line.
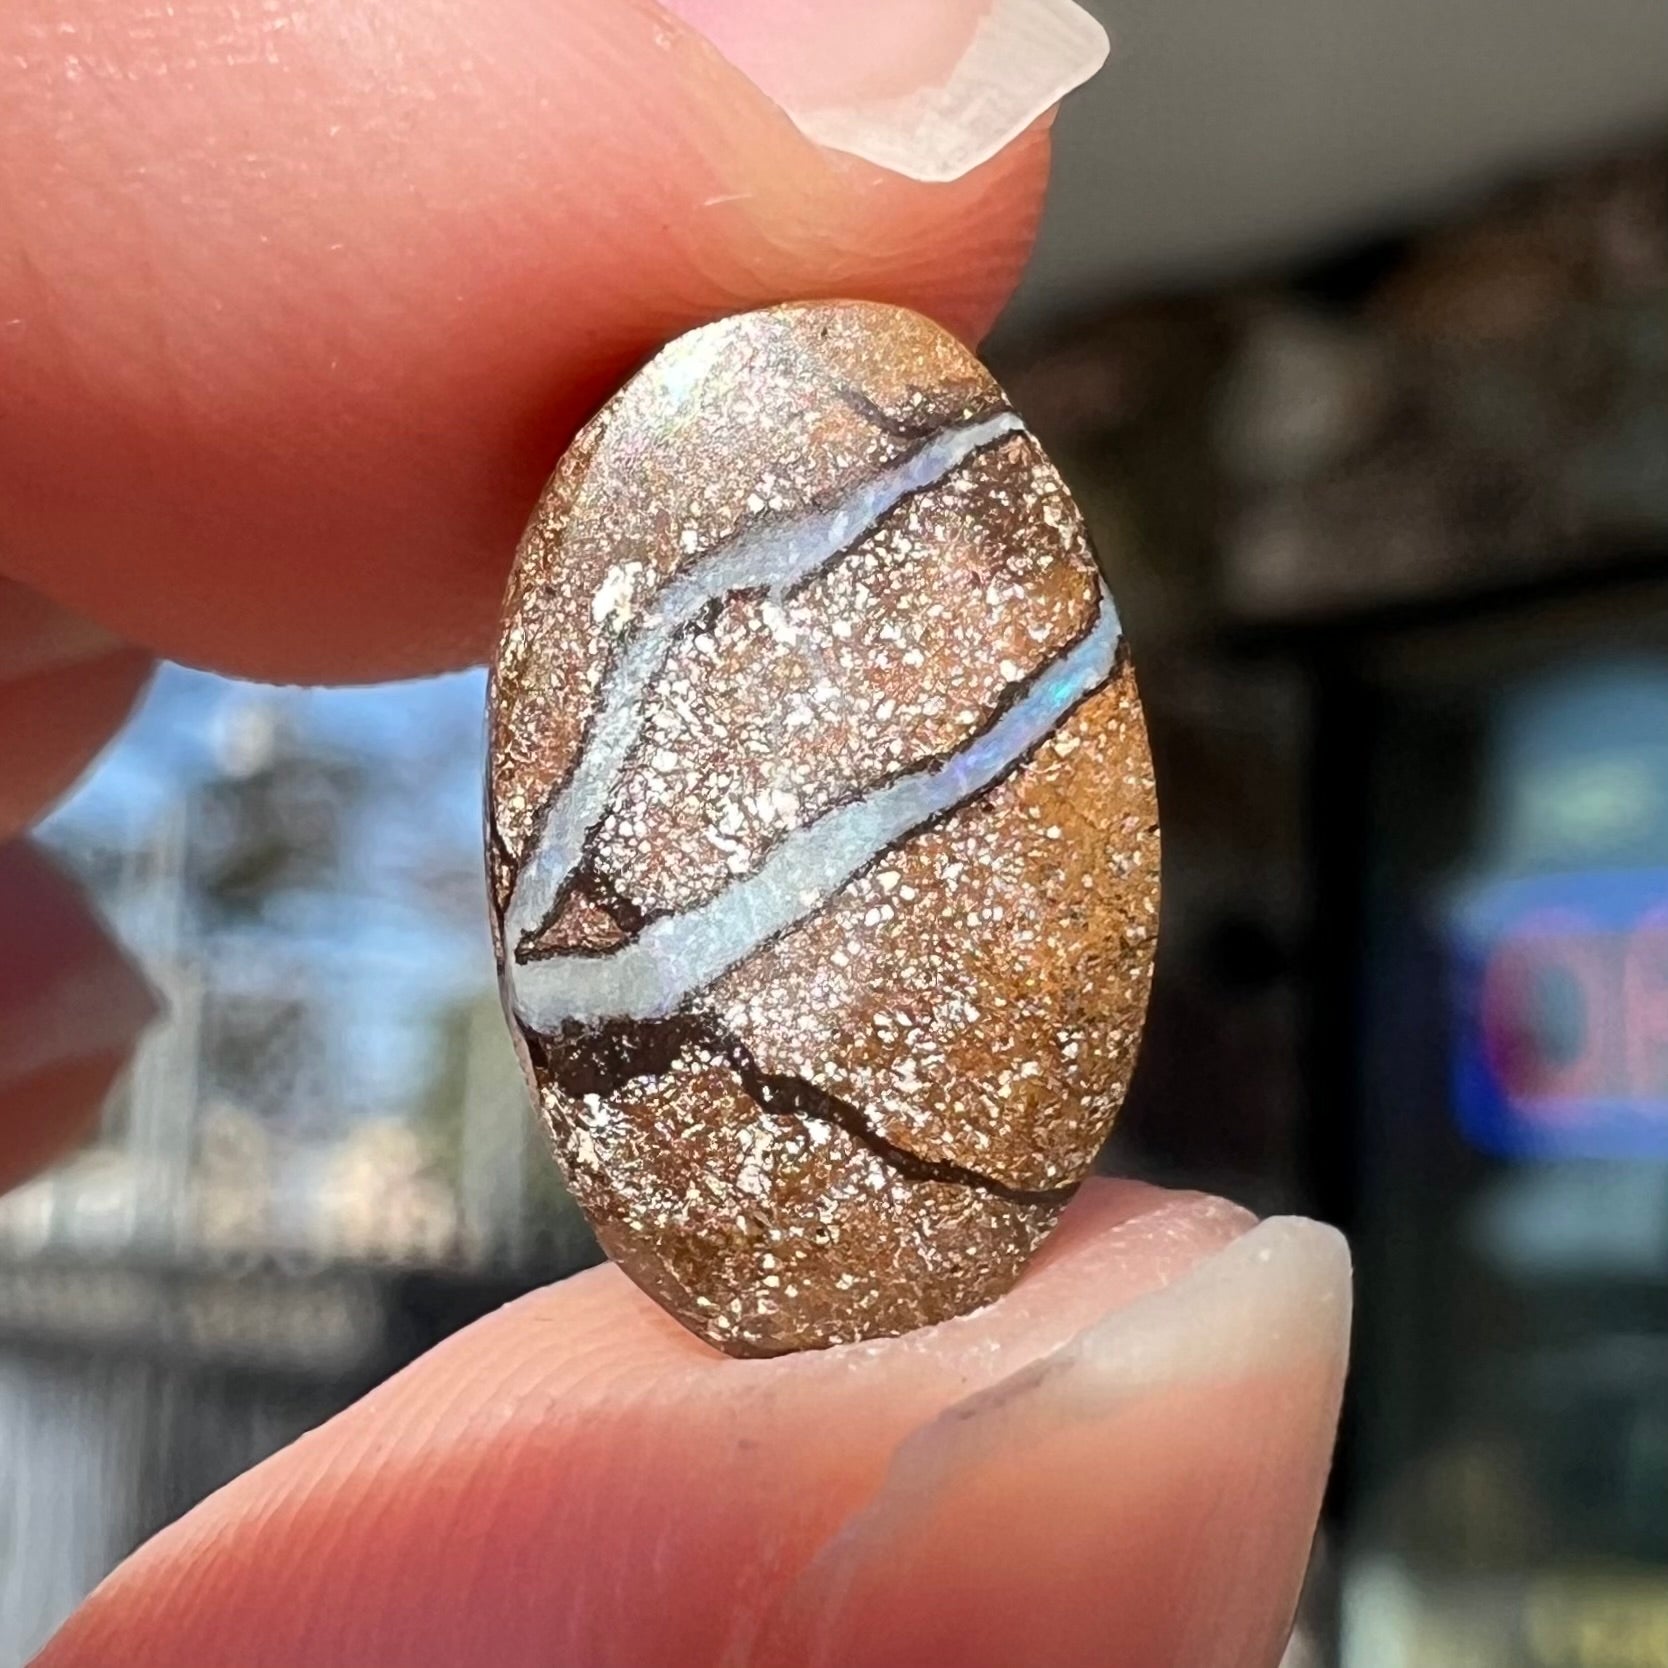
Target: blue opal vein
[681, 954]
[774, 558]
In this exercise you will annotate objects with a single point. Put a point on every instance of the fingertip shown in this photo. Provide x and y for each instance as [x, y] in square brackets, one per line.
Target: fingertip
[47, 1114]
[396, 256]
[1146, 1493]
[72, 1010]
[65, 688]
[577, 1479]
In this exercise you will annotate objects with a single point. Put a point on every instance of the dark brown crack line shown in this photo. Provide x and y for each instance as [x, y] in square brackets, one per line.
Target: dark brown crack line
[601, 1059]
[626, 913]
[905, 500]
[821, 505]
[589, 882]
[897, 427]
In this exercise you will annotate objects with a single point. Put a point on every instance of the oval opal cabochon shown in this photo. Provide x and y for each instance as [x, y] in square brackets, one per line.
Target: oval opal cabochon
[823, 842]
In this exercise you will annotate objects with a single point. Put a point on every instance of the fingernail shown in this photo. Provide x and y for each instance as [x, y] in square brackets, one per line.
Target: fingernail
[926, 88]
[67, 992]
[1146, 1493]
[1277, 1296]
[1277, 1293]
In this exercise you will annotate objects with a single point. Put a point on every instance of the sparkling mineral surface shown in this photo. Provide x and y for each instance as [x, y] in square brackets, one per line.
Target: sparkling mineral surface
[822, 831]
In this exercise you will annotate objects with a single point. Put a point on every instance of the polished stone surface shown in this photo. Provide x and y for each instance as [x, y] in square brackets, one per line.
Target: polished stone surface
[824, 845]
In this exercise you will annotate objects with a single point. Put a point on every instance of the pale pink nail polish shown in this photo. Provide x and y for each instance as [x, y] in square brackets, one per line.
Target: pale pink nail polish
[926, 88]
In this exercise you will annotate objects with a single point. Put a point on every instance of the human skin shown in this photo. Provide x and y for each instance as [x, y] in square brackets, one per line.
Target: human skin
[299, 302]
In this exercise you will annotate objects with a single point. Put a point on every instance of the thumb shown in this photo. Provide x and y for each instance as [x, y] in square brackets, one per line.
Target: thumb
[299, 302]
[1118, 1464]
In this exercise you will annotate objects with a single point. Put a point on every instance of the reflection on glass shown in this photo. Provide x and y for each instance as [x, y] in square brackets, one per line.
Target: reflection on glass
[322, 1158]
[299, 873]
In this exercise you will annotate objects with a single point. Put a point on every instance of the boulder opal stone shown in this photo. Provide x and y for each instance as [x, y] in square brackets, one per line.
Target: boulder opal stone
[824, 849]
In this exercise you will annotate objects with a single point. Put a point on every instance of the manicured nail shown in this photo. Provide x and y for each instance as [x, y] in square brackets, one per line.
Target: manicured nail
[1276, 1299]
[927, 88]
[1146, 1493]
[1276, 1295]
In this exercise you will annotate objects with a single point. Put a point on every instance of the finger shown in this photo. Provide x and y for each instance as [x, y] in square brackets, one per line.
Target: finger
[65, 687]
[299, 303]
[72, 1009]
[1119, 1464]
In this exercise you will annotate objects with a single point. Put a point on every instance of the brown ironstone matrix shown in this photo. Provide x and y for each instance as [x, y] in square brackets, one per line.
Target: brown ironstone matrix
[823, 840]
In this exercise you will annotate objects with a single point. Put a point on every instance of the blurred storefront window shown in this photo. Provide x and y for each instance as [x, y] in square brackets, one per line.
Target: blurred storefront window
[1391, 535]
[1510, 1476]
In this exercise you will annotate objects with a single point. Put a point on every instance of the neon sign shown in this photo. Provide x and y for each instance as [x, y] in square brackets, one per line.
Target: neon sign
[1561, 1014]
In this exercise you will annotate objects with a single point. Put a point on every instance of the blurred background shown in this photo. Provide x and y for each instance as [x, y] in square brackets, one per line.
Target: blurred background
[1350, 327]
